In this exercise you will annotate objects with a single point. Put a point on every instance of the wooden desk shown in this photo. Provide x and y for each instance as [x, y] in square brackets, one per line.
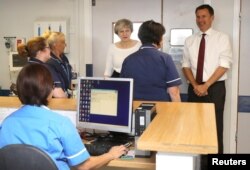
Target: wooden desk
[137, 163]
[54, 104]
[181, 129]
[71, 105]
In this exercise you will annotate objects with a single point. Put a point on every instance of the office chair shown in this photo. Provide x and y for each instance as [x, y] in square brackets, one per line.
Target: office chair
[25, 157]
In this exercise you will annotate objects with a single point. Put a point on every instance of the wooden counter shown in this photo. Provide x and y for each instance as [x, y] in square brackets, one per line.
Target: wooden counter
[181, 128]
[140, 163]
[55, 103]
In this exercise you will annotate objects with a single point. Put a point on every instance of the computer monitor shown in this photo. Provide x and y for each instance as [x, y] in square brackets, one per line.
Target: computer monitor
[105, 104]
[16, 62]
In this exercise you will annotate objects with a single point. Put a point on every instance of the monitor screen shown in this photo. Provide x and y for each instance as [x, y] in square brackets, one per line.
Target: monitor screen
[105, 104]
[179, 35]
[16, 62]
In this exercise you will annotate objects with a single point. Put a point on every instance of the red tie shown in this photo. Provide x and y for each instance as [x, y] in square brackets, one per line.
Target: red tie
[200, 63]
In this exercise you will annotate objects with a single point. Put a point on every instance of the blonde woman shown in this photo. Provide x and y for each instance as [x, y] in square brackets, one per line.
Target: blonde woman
[60, 63]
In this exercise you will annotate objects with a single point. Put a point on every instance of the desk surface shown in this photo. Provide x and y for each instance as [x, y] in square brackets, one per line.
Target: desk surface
[55, 103]
[181, 128]
[142, 163]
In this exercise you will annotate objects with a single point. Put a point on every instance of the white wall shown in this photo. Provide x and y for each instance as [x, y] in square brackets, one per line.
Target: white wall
[224, 21]
[244, 82]
[17, 19]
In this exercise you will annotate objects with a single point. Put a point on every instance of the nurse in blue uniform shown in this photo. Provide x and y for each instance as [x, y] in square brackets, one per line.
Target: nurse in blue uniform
[154, 72]
[62, 74]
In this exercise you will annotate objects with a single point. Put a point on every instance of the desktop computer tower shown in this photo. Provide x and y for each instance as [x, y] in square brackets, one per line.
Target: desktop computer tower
[144, 114]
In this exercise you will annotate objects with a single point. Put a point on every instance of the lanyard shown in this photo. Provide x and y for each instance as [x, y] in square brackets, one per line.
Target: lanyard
[64, 66]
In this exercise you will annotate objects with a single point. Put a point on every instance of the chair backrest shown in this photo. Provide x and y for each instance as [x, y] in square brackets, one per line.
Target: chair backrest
[25, 157]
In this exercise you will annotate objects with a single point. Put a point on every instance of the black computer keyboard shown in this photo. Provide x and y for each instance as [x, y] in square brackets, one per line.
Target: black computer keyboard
[97, 148]
[103, 145]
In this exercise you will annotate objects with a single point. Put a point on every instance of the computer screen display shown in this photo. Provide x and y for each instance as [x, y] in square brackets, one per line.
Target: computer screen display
[16, 62]
[178, 36]
[105, 104]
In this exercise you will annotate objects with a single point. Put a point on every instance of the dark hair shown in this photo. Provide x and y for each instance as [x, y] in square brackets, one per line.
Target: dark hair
[32, 47]
[205, 6]
[34, 85]
[151, 32]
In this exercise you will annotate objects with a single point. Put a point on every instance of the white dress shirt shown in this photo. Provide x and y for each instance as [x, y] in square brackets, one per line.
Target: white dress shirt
[217, 53]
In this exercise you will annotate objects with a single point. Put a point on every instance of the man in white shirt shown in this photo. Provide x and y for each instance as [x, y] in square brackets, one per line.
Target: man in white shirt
[217, 60]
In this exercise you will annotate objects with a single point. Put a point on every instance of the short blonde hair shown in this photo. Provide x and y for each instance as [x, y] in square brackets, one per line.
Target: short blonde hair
[53, 37]
[122, 23]
[46, 34]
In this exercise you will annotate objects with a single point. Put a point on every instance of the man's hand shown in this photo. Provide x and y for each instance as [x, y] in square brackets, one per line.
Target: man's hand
[201, 90]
